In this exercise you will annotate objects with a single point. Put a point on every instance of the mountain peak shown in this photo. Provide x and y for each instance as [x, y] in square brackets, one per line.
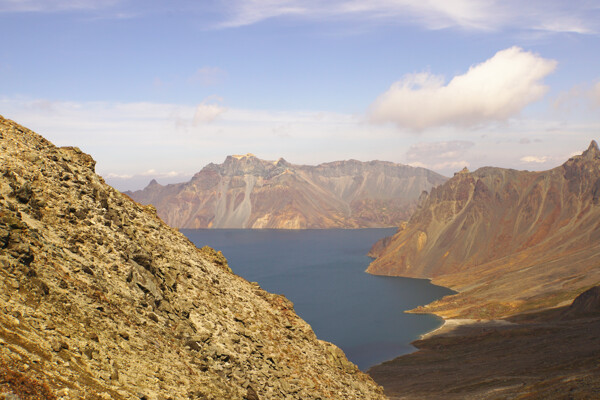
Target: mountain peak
[240, 156]
[465, 170]
[592, 151]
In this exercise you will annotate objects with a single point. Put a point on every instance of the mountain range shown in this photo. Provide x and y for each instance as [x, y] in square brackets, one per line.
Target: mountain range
[247, 192]
[522, 249]
[508, 241]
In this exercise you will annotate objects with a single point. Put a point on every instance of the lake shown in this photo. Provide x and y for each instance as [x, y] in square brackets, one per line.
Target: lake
[322, 273]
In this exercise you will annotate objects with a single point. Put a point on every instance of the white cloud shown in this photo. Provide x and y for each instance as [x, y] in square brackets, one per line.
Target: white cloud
[207, 112]
[113, 175]
[491, 91]
[534, 159]
[156, 174]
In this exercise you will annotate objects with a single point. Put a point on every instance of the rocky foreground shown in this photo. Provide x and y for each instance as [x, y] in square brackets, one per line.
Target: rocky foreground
[99, 299]
[247, 192]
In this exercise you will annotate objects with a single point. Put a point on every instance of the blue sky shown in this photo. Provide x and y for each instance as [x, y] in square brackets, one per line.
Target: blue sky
[156, 89]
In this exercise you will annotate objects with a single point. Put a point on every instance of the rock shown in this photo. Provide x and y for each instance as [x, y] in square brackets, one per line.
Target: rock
[509, 241]
[586, 304]
[254, 193]
[24, 193]
[251, 394]
[137, 310]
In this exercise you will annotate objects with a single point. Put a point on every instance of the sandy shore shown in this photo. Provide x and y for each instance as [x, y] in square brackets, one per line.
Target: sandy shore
[452, 324]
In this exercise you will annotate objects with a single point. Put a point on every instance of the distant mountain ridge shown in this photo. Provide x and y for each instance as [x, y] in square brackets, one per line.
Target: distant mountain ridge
[508, 241]
[247, 192]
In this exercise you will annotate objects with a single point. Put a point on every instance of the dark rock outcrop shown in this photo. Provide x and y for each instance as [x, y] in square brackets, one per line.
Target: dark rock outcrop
[100, 299]
[586, 304]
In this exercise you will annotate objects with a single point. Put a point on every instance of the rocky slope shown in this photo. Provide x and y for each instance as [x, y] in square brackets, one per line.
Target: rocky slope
[246, 192]
[544, 355]
[508, 241]
[99, 299]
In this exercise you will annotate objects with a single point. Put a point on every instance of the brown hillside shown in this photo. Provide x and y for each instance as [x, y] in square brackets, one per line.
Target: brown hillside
[508, 240]
[542, 355]
[99, 299]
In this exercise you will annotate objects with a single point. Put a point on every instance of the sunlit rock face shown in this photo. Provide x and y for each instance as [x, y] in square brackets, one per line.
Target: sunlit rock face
[247, 192]
[508, 240]
[100, 299]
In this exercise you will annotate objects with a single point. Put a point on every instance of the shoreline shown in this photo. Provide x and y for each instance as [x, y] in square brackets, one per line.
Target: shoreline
[452, 324]
[449, 328]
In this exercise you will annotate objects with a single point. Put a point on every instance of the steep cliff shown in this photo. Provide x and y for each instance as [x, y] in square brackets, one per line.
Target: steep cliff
[246, 192]
[508, 240]
[99, 299]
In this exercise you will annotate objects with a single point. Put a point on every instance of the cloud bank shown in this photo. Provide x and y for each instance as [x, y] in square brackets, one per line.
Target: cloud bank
[440, 156]
[494, 90]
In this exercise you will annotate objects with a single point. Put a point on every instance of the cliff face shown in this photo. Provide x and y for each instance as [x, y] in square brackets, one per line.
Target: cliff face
[102, 300]
[246, 192]
[508, 240]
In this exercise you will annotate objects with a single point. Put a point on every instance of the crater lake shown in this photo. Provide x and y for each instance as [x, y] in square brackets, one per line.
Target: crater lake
[322, 273]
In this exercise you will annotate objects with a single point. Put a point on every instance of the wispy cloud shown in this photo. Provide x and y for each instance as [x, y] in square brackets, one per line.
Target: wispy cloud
[480, 15]
[595, 93]
[586, 94]
[445, 157]
[208, 76]
[577, 16]
[491, 91]
[534, 159]
[55, 5]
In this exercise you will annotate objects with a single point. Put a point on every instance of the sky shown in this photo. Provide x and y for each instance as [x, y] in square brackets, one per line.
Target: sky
[156, 90]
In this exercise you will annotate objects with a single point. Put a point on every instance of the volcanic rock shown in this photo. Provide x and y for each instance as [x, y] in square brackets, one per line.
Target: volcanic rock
[247, 192]
[100, 299]
[508, 241]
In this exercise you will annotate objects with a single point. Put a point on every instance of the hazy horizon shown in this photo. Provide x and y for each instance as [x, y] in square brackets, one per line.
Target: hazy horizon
[157, 91]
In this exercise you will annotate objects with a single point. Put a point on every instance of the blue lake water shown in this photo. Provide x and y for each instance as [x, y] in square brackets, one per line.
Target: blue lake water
[322, 273]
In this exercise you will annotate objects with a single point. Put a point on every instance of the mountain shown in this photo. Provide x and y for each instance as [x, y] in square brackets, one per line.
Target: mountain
[508, 241]
[247, 192]
[100, 299]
